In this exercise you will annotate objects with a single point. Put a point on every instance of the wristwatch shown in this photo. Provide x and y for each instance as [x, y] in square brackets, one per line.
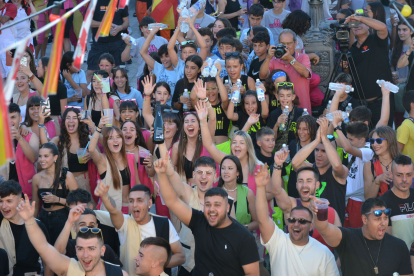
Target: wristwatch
[293, 61]
[338, 128]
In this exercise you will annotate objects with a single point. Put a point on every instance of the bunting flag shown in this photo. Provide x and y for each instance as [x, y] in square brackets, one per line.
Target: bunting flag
[53, 69]
[79, 53]
[106, 22]
[165, 11]
[5, 136]
[123, 4]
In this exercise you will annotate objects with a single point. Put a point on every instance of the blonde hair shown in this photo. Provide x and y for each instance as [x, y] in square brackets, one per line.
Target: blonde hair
[253, 161]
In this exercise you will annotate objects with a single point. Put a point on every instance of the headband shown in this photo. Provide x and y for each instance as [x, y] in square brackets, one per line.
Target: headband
[278, 75]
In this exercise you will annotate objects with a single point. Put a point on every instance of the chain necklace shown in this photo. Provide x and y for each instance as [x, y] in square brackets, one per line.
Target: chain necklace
[131, 150]
[230, 190]
[386, 167]
[379, 250]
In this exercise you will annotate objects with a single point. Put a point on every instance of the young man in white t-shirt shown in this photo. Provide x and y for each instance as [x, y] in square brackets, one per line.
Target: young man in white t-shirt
[359, 152]
[295, 253]
[132, 51]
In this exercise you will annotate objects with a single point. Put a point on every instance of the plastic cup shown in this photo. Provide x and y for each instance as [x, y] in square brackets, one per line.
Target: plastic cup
[322, 205]
[78, 93]
[85, 114]
[81, 153]
[142, 155]
[106, 86]
[109, 113]
[46, 205]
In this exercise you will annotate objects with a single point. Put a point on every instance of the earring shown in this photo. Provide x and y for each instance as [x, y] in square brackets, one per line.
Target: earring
[55, 161]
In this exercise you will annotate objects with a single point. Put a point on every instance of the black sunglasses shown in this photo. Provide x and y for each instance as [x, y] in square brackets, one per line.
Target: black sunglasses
[234, 54]
[378, 140]
[378, 213]
[95, 231]
[299, 220]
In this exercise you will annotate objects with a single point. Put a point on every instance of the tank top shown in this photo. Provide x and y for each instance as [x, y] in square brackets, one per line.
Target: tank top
[74, 165]
[63, 193]
[242, 205]
[222, 122]
[376, 170]
[231, 7]
[188, 168]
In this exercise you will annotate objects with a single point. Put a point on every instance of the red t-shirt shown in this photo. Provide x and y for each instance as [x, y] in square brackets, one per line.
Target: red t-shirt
[11, 10]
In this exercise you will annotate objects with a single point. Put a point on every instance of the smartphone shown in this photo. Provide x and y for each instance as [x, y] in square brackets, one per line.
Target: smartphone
[85, 114]
[23, 61]
[46, 104]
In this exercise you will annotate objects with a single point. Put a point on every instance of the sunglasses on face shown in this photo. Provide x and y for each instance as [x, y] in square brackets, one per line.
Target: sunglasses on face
[379, 213]
[299, 220]
[94, 230]
[211, 89]
[377, 140]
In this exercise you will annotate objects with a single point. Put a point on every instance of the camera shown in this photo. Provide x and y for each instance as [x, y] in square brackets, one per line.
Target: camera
[280, 50]
[342, 33]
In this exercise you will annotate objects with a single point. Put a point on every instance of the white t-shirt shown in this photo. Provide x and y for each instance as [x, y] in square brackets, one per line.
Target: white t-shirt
[316, 258]
[147, 230]
[355, 179]
[274, 22]
[155, 44]
[133, 95]
[204, 21]
[169, 77]
[79, 78]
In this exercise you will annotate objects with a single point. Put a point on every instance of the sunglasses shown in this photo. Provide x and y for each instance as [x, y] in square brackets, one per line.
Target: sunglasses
[288, 84]
[378, 140]
[211, 89]
[379, 213]
[95, 231]
[234, 54]
[201, 172]
[188, 42]
[299, 220]
[171, 110]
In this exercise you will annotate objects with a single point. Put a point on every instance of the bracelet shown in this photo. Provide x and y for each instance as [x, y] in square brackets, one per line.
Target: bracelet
[99, 131]
[30, 223]
[276, 167]
[32, 77]
[376, 183]
[146, 96]
[128, 45]
[41, 125]
[94, 138]
[59, 200]
[406, 54]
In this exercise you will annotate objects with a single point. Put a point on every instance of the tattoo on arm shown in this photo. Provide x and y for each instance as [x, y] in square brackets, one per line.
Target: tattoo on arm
[112, 201]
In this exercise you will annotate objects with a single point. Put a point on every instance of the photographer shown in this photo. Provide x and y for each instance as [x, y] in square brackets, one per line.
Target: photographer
[296, 65]
[370, 57]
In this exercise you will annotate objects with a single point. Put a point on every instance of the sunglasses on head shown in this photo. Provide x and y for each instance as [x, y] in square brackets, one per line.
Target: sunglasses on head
[95, 231]
[299, 220]
[232, 54]
[379, 213]
[188, 42]
[377, 140]
[288, 84]
[171, 110]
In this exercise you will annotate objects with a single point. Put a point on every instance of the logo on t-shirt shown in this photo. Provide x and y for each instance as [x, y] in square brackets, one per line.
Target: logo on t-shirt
[277, 24]
[152, 48]
[406, 207]
[104, 8]
[197, 26]
[365, 49]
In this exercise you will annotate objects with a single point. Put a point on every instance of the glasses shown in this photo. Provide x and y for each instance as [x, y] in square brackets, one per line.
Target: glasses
[288, 84]
[171, 110]
[378, 140]
[69, 106]
[299, 220]
[95, 231]
[379, 213]
[211, 89]
[201, 173]
[188, 42]
[287, 43]
[232, 54]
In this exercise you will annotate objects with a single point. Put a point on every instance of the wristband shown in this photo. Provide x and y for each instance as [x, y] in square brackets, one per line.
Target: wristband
[204, 100]
[30, 223]
[276, 167]
[376, 183]
[99, 131]
[41, 125]
[32, 77]
[128, 45]
[146, 96]
[338, 128]
[406, 54]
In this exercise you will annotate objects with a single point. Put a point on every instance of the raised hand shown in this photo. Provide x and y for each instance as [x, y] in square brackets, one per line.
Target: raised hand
[104, 120]
[43, 115]
[385, 91]
[160, 166]
[76, 212]
[280, 157]
[200, 89]
[337, 119]
[24, 131]
[148, 86]
[101, 189]
[26, 211]
[202, 110]
[262, 177]
[218, 66]
[323, 125]
[253, 119]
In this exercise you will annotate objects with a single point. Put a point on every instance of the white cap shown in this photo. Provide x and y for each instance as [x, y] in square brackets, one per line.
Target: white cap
[305, 109]
[349, 104]
[185, 90]
[286, 106]
[330, 101]
[257, 80]
[238, 80]
[226, 81]
[284, 145]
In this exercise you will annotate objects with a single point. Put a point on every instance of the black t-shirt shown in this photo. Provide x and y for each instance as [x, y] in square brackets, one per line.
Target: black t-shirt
[27, 258]
[222, 122]
[101, 7]
[401, 207]
[410, 84]
[4, 263]
[267, 4]
[109, 255]
[372, 64]
[294, 147]
[110, 237]
[273, 102]
[269, 160]
[243, 117]
[333, 191]
[355, 256]
[221, 251]
[243, 79]
[179, 90]
[274, 116]
[255, 69]
[12, 166]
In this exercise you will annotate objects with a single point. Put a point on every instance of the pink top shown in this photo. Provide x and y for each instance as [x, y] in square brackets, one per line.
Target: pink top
[301, 84]
[25, 169]
[51, 131]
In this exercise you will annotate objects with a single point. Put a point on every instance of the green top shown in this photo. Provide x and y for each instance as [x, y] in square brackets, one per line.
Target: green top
[242, 214]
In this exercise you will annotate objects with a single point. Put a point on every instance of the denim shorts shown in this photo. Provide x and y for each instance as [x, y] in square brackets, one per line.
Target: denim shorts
[54, 222]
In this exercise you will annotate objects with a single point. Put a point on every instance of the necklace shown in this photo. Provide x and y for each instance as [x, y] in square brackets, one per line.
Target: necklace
[303, 248]
[230, 190]
[386, 167]
[132, 149]
[379, 250]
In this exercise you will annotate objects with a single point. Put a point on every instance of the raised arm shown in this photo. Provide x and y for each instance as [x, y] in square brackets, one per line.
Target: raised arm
[335, 100]
[343, 142]
[171, 200]
[146, 109]
[203, 106]
[284, 202]
[117, 217]
[144, 49]
[224, 98]
[231, 115]
[56, 261]
[376, 25]
[330, 233]
[171, 44]
[385, 107]
[200, 40]
[97, 157]
[298, 160]
[264, 68]
[266, 224]
[253, 119]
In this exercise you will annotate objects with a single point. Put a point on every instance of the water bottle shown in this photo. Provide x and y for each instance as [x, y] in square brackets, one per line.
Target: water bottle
[197, 7]
[305, 112]
[396, 274]
[131, 40]
[213, 71]
[395, 15]
[260, 92]
[187, 95]
[329, 105]
[235, 97]
[156, 25]
[337, 86]
[285, 149]
[185, 27]
[158, 137]
[206, 72]
[392, 87]
[226, 82]
[211, 274]
[330, 116]
[348, 110]
[181, 6]
[282, 126]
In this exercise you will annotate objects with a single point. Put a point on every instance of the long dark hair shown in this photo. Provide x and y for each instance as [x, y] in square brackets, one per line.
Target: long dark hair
[93, 96]
[58, 166]
[378, 11]
[125, 75]
[254, 94]
[238, 166]
[67, 58]
[197, 60]
[129, 105]
[173, 118]
[33, 101]
[140, 140]
[64, 137]
[269, 83]
[398, 47]
[298, 21]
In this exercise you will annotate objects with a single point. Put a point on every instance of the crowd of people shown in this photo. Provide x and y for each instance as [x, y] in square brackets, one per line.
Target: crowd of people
[93, 191]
